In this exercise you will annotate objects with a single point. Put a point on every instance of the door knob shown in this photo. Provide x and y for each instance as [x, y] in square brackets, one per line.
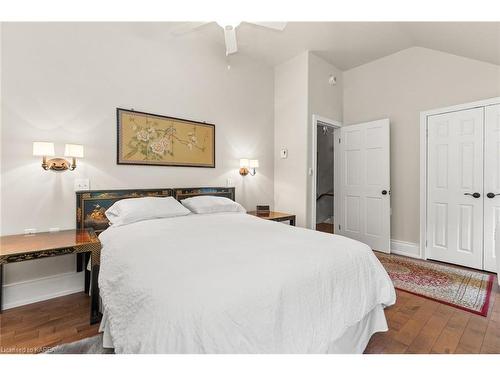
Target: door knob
[491, 195]
[475, 195]
[384, 192]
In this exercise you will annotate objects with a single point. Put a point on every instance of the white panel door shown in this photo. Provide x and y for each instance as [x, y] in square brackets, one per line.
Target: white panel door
[365, 184]
[455, 187]
[491, 183]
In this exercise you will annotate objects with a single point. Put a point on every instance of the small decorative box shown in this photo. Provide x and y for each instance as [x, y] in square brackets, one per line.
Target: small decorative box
[263, 209]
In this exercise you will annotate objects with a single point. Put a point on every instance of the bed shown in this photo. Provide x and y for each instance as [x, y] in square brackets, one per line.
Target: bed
[234, 283]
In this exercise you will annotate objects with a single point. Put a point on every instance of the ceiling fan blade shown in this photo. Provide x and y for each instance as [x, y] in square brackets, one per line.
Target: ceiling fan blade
[230, 39]
[271, 25]
[186, 27]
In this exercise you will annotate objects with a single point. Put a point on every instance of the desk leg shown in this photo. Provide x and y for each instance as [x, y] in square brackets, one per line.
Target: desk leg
[95, 315]
[292, 221]
[86, 259]
[1, 286]
[79, 262]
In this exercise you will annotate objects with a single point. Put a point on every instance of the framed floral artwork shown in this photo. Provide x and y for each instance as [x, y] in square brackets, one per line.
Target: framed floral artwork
[149, 139]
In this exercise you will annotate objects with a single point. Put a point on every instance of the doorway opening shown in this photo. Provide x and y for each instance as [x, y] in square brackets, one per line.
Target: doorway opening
[324, 178]
[325, 135]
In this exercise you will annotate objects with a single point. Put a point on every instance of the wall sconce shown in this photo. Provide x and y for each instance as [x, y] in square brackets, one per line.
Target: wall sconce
[45, 149]
[245, 164]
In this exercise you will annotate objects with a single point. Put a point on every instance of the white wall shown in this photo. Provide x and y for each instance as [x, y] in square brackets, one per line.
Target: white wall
[301, 89]
[63, 82]
[290, 131]
[398, 87]
[324, 100]
[1, 110]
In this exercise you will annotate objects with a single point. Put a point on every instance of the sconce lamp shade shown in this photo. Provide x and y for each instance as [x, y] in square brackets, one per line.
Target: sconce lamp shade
[43, 149]
[73, 151]
[254, 164]
[244, 163]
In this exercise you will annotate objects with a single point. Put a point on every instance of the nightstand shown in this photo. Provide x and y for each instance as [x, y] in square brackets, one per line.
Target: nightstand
[21, 248]
[275, 216]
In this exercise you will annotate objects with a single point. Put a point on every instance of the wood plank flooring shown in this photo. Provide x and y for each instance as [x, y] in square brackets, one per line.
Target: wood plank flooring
[39, 326]
[416, 325]
[324, 227]
[419, 325]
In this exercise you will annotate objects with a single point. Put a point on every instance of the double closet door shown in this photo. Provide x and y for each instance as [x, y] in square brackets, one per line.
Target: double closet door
[463, 174]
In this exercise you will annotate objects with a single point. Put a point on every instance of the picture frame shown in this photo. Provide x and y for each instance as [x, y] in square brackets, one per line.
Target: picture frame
[150, 139]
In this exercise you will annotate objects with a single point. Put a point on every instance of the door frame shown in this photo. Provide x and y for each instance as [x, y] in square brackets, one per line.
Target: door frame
[316, 120]
[423, 252]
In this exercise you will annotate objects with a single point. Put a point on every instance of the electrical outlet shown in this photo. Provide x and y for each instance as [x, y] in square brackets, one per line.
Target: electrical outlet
[82, 184]
[30, 231]
[229, 182]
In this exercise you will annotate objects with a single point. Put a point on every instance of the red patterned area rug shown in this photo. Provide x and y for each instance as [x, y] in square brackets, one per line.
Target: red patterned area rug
[462, 288]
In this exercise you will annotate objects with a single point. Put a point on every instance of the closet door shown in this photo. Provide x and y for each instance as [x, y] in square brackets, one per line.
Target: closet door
[491, 183]
[455, 187]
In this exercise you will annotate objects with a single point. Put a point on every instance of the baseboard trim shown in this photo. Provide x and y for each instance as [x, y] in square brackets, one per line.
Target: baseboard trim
[409, 249]
[36, 290]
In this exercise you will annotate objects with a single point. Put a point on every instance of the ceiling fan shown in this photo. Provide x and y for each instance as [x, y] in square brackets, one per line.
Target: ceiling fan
[229, 30]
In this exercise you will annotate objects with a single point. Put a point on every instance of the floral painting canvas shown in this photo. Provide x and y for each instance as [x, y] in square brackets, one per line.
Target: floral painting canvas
[149, 139]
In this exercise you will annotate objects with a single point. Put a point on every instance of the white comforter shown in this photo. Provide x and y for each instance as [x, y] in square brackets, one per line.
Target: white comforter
[234, 283]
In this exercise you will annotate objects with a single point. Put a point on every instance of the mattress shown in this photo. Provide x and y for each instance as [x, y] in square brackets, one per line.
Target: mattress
[234, 283]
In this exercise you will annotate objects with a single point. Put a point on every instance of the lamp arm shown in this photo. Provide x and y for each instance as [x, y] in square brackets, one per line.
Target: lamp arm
[73, 164]
[44, 163]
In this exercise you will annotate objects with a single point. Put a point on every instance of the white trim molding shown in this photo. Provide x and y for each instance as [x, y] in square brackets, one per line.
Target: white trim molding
[423, 159]
[409, 249]
[41, 289]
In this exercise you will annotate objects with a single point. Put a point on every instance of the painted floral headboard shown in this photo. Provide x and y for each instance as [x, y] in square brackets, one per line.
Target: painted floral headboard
[91, 204]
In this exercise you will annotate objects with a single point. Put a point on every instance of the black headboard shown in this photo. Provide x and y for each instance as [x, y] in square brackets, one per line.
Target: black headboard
[91, 204]
[183, 193]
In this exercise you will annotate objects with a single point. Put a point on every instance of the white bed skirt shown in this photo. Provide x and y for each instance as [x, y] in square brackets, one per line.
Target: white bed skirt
[353, 341]
[356, 337]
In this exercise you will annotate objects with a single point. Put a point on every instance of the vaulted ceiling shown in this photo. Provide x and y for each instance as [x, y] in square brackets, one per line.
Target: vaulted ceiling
[350, 44]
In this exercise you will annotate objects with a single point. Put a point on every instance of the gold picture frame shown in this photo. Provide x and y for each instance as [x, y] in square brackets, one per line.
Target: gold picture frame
[150, 139]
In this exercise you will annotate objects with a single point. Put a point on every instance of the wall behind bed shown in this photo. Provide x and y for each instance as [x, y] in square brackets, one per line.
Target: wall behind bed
[62, 82]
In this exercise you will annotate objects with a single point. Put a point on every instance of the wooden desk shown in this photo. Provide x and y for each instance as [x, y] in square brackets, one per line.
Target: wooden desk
[21, 248]
[275, 216]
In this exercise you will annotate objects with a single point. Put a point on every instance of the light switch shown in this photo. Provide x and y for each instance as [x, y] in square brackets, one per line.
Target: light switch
[82, 184]
[229, 182]
[284, 152]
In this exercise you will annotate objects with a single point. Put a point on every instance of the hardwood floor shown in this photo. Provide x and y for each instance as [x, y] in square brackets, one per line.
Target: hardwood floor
[39, 326]
[420, 325]
[416, 325]
[324, 227]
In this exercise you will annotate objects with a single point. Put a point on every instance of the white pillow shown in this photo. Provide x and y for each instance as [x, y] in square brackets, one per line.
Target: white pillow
[130, 210]
[209, 204]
